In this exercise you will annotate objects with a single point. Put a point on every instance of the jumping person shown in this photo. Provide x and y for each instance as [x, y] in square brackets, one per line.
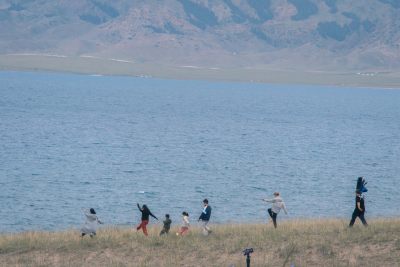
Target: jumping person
[277, 205]
[91, 223]
[167, 225]
[359, 210]
[145, 218]
[185, 224]
[205, 217]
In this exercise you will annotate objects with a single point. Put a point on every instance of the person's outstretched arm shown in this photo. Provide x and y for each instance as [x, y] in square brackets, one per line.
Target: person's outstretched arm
[284, 208]
[268, 200]
[151, 214]
[139, 207]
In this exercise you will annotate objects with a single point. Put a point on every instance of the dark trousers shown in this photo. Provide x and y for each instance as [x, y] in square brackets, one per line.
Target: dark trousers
[360, 215]
[273, 216]
[164, 231]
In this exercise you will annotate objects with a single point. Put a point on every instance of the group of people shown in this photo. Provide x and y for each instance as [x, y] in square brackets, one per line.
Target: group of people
[92, 220]
[204, 218]
[277, 205]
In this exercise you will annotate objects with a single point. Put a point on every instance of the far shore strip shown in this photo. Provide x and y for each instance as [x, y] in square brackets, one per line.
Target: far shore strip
[94, 65]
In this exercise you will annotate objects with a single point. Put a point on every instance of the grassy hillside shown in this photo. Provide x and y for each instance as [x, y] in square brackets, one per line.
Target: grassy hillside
[302, 243]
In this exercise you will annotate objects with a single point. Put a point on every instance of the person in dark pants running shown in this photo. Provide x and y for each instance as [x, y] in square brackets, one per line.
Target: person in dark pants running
[277, 205]
[359, 210]
[167, 225]
[145, 218]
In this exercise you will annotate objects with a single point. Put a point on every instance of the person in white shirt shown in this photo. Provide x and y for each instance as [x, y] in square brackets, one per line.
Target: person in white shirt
[185, 224]
[90, 224]
[277, 205]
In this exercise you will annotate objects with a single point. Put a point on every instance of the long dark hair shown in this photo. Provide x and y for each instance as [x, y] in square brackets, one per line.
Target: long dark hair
[145, 208]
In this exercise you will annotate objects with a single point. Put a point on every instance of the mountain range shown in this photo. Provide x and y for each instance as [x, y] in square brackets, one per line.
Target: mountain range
[281, 34]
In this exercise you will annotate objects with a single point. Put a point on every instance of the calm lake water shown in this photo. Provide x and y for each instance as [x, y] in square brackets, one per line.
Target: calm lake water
[72, 141]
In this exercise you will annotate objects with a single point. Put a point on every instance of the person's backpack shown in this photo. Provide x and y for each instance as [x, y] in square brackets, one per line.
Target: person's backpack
[361, 185]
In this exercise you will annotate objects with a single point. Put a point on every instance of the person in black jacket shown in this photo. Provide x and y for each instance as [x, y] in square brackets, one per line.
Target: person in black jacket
[145, 218]
[359, 210]
[205, 217]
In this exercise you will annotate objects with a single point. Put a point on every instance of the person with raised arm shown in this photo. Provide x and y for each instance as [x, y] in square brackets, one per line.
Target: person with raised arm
[146, 213]
[91, 223]
[277, 205]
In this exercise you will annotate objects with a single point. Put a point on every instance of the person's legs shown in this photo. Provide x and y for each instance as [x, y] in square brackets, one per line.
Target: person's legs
[144, 228]
[362, 218]
[184, 230]
[274, 215]
[163, 232]
[139, 226]
[270, 212]
[206, 227]
[353, 218]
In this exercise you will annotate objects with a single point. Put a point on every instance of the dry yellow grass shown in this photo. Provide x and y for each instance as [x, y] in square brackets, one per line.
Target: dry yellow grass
[302, 243]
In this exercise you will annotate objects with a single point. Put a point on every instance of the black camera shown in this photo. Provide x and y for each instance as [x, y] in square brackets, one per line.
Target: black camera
[248, 251]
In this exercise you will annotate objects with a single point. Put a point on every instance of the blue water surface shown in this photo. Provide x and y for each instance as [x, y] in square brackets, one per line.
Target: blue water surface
[71, 141]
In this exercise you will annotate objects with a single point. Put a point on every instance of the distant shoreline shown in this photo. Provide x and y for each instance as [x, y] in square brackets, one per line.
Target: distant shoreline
[110, 66]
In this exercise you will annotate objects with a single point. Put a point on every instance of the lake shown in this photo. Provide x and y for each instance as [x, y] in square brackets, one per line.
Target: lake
[71, 141]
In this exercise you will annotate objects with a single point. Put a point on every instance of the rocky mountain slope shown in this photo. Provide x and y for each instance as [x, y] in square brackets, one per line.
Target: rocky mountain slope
[294, 34]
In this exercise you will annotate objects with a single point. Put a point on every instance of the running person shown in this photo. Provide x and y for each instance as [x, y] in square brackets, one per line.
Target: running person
[167, 225]
[185, 224]
[145, 218]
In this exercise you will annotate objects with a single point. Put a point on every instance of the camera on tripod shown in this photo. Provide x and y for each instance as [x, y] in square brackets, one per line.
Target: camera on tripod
[248, 251]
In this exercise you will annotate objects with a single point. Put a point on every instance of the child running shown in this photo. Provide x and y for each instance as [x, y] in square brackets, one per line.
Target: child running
[91, 223]
[277, 205]
[145, 218]
[185, 224]
[167, 225]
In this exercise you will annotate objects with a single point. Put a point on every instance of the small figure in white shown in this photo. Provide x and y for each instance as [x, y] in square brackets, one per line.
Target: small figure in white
[91, 223]
[185, 224]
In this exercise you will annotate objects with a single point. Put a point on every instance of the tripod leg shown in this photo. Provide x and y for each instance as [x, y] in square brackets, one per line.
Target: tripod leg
[248, 261]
